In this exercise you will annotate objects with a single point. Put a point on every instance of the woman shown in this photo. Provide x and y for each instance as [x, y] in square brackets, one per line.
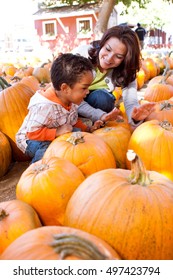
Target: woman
[116, 58]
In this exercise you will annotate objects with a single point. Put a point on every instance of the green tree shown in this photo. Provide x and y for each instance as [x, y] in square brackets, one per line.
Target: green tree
[107, 7]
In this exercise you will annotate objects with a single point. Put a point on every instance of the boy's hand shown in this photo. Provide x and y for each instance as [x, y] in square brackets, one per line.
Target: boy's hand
[64, 129]
[113, 115]
[96, 125]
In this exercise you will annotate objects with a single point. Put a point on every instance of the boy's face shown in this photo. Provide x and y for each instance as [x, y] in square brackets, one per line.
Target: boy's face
[80, 89]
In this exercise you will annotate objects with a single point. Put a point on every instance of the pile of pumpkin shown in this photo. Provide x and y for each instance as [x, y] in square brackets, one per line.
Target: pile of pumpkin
[101, 195]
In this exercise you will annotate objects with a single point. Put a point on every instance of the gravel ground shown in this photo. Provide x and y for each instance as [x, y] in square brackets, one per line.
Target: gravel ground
[9, 181]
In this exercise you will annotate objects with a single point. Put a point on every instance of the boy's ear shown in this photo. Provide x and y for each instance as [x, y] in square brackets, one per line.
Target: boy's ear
[64, 87]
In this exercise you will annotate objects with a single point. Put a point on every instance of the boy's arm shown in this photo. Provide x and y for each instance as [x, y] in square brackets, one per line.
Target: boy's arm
[38, 123]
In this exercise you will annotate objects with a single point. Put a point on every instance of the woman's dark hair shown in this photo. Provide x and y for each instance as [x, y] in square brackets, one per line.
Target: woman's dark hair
[125, 73]
[69, 68]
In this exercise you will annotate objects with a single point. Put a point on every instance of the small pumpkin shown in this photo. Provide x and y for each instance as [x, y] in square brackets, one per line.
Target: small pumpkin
[42, 74]
[16, 217]
[59, 243]
[47, 185]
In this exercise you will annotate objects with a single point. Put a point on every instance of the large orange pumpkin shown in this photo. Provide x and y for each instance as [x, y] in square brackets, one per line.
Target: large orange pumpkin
[59, 243]
[131, 210]
[13, 109]
[163, 110]
[158, 92]
[16, 217]
[31, 82]
[153, 142]
[117, 137]
[47, 186]
[87, 151]
[5, 154]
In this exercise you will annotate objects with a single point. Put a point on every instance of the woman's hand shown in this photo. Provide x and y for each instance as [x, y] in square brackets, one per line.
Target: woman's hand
[113, 115]
[140, 113]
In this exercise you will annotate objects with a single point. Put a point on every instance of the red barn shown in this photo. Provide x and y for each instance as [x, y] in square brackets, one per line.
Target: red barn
[62, 28]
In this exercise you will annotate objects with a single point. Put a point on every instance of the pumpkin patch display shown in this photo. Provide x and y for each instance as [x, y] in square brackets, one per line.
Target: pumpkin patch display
[16, 217]
[131, 210]
[59, 243]
[87, 151]
[153, 142]
[47, 185]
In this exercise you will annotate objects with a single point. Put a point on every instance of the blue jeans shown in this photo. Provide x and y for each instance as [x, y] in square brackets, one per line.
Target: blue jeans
[102, 99]
[36, 149]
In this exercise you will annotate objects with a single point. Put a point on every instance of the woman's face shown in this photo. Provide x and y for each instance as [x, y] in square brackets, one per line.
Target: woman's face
[112, 53]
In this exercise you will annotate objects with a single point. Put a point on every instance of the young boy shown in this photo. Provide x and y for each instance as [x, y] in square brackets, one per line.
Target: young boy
[54, 112]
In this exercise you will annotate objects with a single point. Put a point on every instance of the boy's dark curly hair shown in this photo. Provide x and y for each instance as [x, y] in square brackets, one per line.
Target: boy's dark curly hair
[69, 68]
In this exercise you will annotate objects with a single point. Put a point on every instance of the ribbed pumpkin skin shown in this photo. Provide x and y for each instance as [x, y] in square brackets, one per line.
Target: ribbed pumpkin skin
[154, 145]
[31, 82]
[5, 154]
[137, 221]
[13, 109]
[163, 111]
[117, 138]
[36, 245]
[47, 185]
[91, 156]
[151, 66]
[20, 218]
[158, 92]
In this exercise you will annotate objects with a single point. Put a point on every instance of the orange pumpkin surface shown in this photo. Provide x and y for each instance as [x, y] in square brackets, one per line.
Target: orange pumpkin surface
[117, 138]
[131, 210]
[31, 82]
[16, 217]
[59, 243]
[153, 142]
[5, 154]
[162, 111]
[158, 92]
[47, 186]
[13, 109]
[87, 151]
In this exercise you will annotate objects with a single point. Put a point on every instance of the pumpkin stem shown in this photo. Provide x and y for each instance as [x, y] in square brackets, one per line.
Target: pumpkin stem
[40, 167]
[76, 138]
[16, 79]
[166, 125]
[138, 175]
[72, 245]
[166, 70]
[3, 214]
[165, 105]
